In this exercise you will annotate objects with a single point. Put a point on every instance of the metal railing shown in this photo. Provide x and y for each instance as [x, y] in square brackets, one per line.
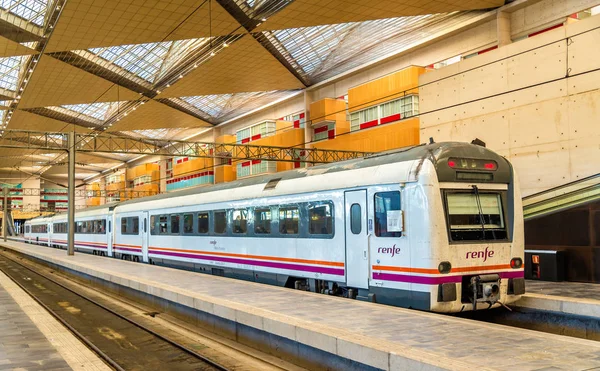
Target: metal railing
[562, 197]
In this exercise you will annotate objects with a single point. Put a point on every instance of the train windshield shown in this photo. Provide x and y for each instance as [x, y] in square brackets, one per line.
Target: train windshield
[475, 215]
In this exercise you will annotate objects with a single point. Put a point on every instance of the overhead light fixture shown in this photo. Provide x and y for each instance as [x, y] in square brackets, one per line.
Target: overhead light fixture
[264, 19]
[181, 76]
[212, 54]
[31, 70]
[196, 65]
[168, 85]
[18, 97]
[158, 92]
[225, 45]
[143, 103]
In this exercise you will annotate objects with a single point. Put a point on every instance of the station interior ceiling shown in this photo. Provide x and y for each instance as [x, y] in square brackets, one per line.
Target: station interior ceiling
[170, 69]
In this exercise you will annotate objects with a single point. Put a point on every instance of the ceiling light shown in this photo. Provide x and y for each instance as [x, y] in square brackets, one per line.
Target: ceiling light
[125, 114]
[196, 65]
[18, 97]
[35, 61]
[31, 70]
[158, 92]
[181, 76]
[21, 89]
[264, 19]
[134, 108]
[258, 24]
[225, 45]
[143, 103]
[168, 85]
[212, 54]
[25, 81]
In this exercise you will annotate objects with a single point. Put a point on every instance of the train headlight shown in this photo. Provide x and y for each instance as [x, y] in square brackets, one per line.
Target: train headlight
[445, 267]
[516, 263]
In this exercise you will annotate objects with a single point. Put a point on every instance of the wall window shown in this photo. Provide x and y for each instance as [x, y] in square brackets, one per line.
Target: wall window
[289, 217]
[388, 218]
[220, 222]
[262, 220]
[320, 218]
[202, 222]
[240, 221]
[392, 111]
[188, 223]
[174, 224]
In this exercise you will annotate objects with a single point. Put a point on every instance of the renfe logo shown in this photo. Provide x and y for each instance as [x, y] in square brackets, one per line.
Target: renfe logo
[480, 254]
[389, 250]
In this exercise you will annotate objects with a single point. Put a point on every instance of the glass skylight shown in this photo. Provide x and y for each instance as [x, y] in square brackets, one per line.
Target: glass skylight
[320, 52]
[149, 61]
[143, 60]
[95, 110]
[33, 11]
[9, 72]
[219, 108]
[213, 105]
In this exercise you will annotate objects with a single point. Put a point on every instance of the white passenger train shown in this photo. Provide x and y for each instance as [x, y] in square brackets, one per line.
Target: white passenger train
[435, 227]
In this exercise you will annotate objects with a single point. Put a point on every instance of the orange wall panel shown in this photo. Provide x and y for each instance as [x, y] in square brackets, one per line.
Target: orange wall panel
[327, 109]
[381, 138]
[389, 87]
[224, 173]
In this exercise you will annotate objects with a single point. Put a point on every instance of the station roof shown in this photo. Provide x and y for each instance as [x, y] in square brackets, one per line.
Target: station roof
[170, 69]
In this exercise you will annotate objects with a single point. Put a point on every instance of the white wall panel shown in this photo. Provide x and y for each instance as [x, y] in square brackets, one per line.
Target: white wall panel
[584, 116]
[537, 66]
[584, 157]
[540, 123]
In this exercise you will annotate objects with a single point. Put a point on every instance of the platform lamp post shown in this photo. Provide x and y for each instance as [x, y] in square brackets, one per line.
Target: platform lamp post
[71, 196]
[5, 214]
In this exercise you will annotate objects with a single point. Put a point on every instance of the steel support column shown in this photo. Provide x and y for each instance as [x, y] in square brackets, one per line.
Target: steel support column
[71, 196]
[5, 214]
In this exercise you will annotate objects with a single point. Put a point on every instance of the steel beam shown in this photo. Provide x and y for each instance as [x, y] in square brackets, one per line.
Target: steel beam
[94, 143]
[71, 196]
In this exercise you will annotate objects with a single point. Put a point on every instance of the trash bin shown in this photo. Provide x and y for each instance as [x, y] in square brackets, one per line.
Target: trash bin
[545, 265]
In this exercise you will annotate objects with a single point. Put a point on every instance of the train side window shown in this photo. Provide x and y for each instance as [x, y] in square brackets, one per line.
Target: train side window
[163, 224]
[355, 219]
[123, 225]
[288, 220]
[202, 222]
[262, 220]
[109, 226]
[135, 228]
[174, 224]
[102, 225]
[153, 229]
[387, 214]
[188, 223]
[240, 221]
[220, 222]
[145, 225]
[320, 217]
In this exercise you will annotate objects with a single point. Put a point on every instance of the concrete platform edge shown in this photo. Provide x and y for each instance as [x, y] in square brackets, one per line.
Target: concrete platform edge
[271, 328]
[560, 304]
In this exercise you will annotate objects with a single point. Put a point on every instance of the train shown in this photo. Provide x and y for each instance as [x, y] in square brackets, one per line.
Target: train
[436, 227]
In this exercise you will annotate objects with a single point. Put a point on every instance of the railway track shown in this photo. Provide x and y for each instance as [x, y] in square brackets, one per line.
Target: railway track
[123, 343]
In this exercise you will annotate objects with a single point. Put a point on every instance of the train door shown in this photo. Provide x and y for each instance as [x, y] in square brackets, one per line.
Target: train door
[145, 234]
[357, 242]
[109, 234]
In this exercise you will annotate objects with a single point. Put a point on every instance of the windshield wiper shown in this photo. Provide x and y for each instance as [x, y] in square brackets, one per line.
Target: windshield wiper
[480, 209]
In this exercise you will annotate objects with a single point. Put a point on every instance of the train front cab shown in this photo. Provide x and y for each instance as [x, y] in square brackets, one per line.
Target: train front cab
[480, 248]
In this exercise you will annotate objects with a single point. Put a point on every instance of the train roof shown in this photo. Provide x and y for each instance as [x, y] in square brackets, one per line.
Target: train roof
[435, 152]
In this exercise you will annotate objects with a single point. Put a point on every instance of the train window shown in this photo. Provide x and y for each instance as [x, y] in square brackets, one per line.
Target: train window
[135, 225]
[475, 216]
[262, 221]
[320, 218]
[162, 224]
[188, 223]
[174, 224]
[355, 219]
[220, 222]
[145, 225]
[240, 221]
[387, 214]
[288, 219]
[202, 222]
[123, 225]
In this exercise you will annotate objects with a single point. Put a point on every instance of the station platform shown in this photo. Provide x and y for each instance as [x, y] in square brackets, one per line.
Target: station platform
[31, 339]
[372, 335]
[571, 298]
